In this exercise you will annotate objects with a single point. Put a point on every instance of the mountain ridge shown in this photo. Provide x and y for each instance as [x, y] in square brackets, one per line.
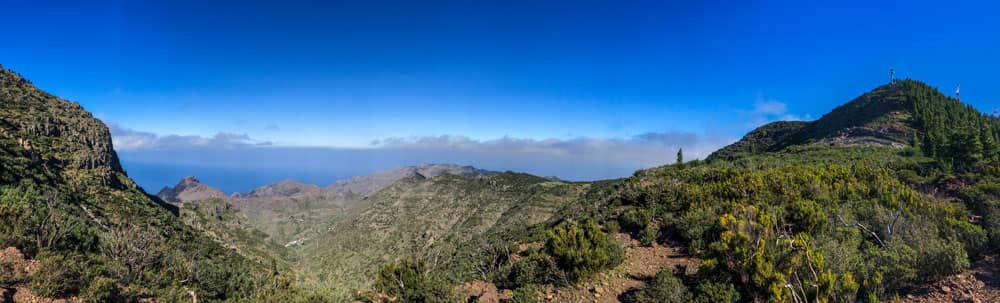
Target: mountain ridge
[191, 189]
[881, 117]
[289, 211]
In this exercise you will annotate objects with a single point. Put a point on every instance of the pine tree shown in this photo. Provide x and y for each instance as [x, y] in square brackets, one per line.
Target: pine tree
[990, 147]
[680, 156]
[915, 145]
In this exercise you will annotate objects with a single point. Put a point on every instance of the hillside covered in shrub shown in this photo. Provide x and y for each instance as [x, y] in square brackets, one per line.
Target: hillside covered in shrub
[892, 191]
[67, 205]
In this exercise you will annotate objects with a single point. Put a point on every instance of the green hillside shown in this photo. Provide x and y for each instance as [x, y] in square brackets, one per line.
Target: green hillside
[66, 202]
[903, 114]
[884, 194]
[892, 191]
[431, 219]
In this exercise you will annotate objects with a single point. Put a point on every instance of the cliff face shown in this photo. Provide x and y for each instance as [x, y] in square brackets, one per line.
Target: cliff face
[59, 137]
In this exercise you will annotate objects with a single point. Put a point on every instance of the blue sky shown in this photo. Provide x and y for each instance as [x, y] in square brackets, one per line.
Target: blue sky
[342, 75]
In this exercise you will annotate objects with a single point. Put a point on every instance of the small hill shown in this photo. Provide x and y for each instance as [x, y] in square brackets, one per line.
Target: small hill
[285, 188]
[889, 116]
[187, 190]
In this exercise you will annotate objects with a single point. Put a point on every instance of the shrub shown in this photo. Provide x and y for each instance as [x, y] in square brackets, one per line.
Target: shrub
[101, 289]
[635, 219]
[536, 268]
[696, 224]
[665, 288]
[972, 236]
[582, 250]
[409, 282]
[807, 215]
[612, 227]
[10, 274]
[941, 258]
[714, 292]
[649, 235]
[524, 294]
[58, 275]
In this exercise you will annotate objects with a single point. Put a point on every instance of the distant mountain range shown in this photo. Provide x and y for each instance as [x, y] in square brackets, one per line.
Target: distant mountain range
[289, 210]
[190, 189]
[341, 228]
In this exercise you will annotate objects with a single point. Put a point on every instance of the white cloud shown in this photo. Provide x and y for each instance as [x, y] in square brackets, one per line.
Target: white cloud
[126, 139]
[643, 150]
[582, 158]
[769, 110]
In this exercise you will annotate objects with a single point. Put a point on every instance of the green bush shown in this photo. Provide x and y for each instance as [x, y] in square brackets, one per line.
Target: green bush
[524, 294]
[939, 259]
[582, 250]
[409, 282]
[9, 274]
[612, 227]
[649, 235]
[714, 292]
[536, 268]
[696, 225]
[807, 215]
[972, 236]
[665, 288]
[58, 275]
[101, 289]
[635, 220]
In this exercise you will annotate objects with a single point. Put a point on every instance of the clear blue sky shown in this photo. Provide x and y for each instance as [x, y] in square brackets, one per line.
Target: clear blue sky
[324, 73]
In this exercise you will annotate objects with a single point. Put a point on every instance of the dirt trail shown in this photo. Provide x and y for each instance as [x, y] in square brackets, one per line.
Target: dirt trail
[641, 263]
[24, 268]
[981, 283]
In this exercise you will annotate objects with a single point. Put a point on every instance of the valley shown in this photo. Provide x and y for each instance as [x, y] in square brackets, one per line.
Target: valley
[891, 195]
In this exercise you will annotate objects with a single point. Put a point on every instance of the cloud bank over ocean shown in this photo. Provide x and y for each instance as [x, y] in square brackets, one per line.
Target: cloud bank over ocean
[237, 162]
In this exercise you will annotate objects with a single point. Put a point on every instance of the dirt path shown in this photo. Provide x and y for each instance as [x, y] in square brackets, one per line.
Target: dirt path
[25, 268]
[981, 283]
[641, 263]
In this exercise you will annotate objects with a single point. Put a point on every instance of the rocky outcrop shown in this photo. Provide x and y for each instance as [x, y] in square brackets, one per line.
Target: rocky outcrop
[187, 190]
[57, 134]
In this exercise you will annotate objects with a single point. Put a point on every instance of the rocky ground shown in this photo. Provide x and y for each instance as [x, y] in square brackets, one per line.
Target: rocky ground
[641, 263]
[980, 284]
[21, 266]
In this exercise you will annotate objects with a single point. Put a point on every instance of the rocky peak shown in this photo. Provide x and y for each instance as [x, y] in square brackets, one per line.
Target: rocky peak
[189, 189]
